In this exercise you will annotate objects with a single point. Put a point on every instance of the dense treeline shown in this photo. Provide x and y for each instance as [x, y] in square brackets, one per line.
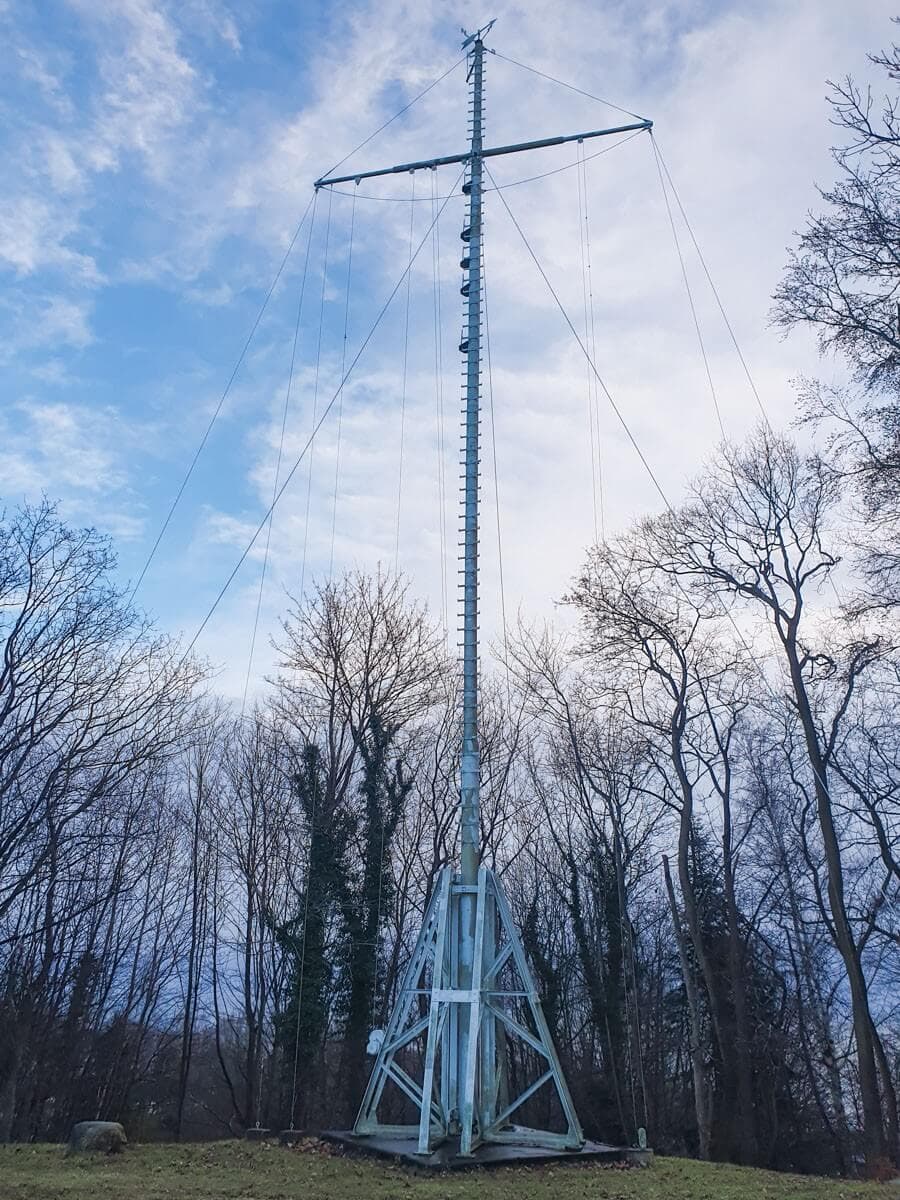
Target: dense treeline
[693, 798]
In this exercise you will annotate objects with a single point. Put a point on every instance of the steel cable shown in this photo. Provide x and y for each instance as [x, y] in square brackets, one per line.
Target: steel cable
[284, 417]
[309, 442]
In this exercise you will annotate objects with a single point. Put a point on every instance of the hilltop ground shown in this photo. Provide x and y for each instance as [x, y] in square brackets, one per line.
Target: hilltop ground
[239, 1171]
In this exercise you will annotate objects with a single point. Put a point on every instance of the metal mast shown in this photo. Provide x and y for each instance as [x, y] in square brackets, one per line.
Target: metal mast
[468, 961]
[470, 766]
[470, 763]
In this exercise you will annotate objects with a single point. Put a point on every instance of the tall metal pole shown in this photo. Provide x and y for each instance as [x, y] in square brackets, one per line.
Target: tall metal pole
[469, 958]
[470, 767]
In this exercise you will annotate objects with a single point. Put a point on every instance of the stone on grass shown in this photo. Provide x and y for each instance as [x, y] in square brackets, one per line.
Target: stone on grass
[97, 1137]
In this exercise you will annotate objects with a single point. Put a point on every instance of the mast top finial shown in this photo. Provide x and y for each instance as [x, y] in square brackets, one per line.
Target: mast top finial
[477, 35]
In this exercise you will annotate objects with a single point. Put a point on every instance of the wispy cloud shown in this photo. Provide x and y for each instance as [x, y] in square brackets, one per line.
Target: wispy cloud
[148, 89]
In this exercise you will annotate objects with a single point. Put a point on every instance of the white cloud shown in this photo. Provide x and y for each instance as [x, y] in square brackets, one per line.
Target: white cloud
[145, 92]
[149, 89]
[34, 230]
[44, 440]
[77, 454]
[739, 111]
[228, 31]
[63, 320]
[51, 371]
[212, 20]
[35, 67]
[39, 321]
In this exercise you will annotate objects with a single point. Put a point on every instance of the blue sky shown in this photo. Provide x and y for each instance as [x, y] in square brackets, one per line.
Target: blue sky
[157, 160]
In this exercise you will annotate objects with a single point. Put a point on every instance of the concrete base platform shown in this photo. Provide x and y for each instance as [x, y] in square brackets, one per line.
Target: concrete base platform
[493, 1154]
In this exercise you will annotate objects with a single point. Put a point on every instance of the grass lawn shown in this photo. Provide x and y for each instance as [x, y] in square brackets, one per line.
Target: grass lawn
[226, 1170]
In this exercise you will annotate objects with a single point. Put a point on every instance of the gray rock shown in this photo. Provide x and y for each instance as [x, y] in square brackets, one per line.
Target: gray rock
[97, 1137]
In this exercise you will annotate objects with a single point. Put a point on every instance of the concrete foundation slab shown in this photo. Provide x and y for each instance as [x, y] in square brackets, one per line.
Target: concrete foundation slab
[493, 1154]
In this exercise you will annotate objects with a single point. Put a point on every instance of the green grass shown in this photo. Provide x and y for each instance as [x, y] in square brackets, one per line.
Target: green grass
[239, 1171]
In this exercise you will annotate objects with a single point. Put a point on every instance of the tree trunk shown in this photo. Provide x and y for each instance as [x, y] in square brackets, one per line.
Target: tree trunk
[748, 1144]
[194, 964]
[9, 1083]
[702, 1091]
[863, 1026]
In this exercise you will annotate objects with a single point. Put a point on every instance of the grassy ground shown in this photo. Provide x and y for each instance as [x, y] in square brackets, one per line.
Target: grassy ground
[238, 1171]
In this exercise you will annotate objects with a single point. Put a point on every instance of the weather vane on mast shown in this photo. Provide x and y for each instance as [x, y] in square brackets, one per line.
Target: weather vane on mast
[468, 992]
[478, 35]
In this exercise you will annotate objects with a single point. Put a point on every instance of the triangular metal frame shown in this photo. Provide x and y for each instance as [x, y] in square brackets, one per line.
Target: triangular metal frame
[470, 1099]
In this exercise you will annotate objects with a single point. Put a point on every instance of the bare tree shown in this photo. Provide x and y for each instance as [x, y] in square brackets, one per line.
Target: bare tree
[843, 279]
[843, 282]
[256, 826]
[92, 702]
[686, 690]
[757, 530]
[361, 668]
[203, 778]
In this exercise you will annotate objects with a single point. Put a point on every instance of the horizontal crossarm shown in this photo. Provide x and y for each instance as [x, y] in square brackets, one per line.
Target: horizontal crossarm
[491, 152]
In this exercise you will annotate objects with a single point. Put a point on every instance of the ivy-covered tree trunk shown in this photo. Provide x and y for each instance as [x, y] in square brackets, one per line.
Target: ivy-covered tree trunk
[333, 939]
[383, 791]
[601, 968]
[303, 1021]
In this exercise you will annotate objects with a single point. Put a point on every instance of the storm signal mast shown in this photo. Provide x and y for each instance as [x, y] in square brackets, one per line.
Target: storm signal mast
[468, 993]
